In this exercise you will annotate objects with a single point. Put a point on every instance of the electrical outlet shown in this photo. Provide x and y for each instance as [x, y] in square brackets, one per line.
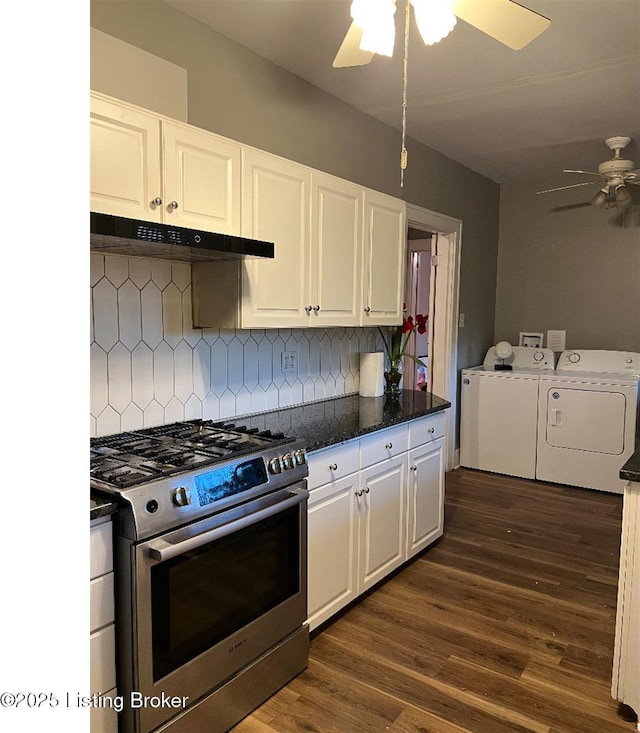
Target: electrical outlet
[289, 361]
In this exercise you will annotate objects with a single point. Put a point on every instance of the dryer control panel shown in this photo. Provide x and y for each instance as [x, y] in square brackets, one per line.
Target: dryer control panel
[599, 360]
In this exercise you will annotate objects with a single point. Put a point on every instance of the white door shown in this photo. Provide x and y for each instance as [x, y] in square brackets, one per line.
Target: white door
[336, 247]
[586, 420]
[385, 233]
[332, 549]
[201, 180]
[275, 209]
[425, 496]
[125, 161]
[382, 520]
[499, 423]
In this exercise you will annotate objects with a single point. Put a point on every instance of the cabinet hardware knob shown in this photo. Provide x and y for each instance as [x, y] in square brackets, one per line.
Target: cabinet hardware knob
[308, 308]
[172, 205]
[366, 490]
[156, 201]
[358, 493]
[333, 466]
[431, 430]
[414, 468]
[388, 446]
[367, 310]
[316, 308]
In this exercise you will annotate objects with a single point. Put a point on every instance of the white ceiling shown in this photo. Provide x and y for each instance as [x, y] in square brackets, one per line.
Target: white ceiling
[510, 115]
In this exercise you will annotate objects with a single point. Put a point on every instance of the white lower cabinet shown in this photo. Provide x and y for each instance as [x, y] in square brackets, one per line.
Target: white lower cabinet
[425, 496]
[381, 516]
[332, 548]
[373, 504]
[102, 680]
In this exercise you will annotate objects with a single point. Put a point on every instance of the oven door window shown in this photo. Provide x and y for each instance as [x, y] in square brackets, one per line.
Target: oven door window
[202, 597]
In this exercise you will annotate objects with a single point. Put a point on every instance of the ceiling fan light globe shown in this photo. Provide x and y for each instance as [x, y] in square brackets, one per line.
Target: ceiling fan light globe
[375, 17]
[600, 199]
[623, 197]
[435, 19]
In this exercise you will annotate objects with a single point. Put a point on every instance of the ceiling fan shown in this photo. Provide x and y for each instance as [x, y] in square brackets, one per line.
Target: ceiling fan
[373, 29]
[614, 175]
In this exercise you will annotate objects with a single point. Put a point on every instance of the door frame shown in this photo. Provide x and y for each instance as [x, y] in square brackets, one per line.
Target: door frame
[445, 320]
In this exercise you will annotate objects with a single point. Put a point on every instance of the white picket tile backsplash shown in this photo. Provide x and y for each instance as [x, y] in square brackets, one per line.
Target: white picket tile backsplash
[149, 366]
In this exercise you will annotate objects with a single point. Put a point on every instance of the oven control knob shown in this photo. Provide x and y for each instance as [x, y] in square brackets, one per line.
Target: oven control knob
[180, 496]
[300, 457]
[287, 461]
[275, 466]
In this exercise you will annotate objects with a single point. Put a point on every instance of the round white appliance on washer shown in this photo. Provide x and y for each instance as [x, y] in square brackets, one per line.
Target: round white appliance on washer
[499, 411]
[588, 419]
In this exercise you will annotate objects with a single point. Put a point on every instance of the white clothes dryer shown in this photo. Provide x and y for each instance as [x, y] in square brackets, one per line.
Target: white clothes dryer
[499, 411]
[588, 419]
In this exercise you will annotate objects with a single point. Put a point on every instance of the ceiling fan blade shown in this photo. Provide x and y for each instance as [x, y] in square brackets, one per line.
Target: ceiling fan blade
[504, 20]
[562, 188]
[587, 173]
[350, 53]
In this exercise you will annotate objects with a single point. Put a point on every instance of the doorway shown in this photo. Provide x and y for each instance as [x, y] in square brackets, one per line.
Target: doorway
[441, 268]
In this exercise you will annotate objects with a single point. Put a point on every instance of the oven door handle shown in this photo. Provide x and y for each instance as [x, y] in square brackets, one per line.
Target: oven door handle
[162, 550]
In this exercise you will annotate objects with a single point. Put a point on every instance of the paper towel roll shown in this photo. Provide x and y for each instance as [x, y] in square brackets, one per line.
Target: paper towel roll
[371, 374]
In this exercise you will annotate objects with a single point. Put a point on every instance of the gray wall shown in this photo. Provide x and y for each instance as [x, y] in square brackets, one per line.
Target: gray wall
[235, 93]
[564, 265]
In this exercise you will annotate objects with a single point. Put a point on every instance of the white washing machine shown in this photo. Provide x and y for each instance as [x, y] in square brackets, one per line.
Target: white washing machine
[588, 419]
[499, 411]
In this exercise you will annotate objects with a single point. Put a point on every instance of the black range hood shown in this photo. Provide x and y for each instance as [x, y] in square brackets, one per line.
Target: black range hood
[136, 238]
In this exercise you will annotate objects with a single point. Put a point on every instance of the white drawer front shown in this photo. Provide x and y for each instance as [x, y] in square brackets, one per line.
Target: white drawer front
[102, 648]
[383, 444]
[101, 549]
[101, 610]
[332, 463]
[427, 429]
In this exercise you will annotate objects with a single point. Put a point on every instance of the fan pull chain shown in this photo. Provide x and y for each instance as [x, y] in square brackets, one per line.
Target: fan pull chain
[403, 152]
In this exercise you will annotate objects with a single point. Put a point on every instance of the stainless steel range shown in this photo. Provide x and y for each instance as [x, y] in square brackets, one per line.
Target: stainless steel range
[211, 543]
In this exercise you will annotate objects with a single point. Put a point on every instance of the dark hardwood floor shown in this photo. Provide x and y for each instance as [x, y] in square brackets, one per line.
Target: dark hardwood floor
[505, 625]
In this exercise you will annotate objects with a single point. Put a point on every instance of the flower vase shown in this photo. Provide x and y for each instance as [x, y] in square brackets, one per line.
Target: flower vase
[392, 379]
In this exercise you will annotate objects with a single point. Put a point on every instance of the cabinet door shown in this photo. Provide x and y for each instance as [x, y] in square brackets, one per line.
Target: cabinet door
[336, 246]
[425, 496]
[275, 209]
[382, 520]
[385, 243]
[202, 176]
[332, 560]
[125, 161]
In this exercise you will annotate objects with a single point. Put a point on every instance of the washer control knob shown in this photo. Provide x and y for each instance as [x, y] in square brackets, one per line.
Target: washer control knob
[287, 461]
[574, 357]
[181, 496]
[300, 457]
[538, 356]
[275, 465]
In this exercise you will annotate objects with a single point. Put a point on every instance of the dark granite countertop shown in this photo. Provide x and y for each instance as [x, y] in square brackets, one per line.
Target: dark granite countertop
[324, 423]
[327, 422]
[631, 469]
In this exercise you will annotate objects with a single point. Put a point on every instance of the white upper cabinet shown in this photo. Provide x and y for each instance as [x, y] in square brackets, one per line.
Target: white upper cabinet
[336, 252]
[339, 248]
[158, 170]
[201, 175]
[125, 161]
[275, 195]
[385, 235]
